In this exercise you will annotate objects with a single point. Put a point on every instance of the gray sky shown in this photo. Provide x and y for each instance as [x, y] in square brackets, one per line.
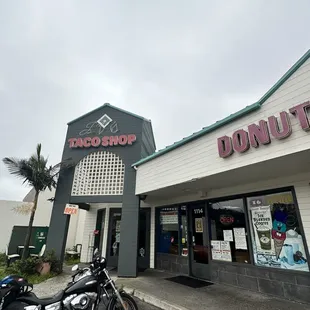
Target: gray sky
[61, 59]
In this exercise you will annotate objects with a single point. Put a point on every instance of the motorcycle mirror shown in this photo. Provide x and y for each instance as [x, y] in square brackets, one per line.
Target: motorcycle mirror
[96, 252]
[75, 268]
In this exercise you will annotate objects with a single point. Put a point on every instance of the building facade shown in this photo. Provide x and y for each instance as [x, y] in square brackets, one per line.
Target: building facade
[228, 204]
[232, 202]
[101, 147]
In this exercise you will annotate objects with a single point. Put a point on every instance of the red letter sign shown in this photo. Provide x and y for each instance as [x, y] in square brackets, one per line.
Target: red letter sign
[224, 146]
[300, 111]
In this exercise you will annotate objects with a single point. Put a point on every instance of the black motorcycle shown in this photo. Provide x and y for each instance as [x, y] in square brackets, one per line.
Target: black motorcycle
[89, 288]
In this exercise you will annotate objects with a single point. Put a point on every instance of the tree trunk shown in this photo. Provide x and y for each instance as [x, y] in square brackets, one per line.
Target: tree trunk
[29, 230]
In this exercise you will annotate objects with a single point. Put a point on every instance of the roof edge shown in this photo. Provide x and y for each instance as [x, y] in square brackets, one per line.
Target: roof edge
[111, 106]
[285, 77]
[253, 107]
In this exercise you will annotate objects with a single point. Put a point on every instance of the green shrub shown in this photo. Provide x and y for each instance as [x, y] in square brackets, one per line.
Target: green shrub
[50, 257]
[23, 267]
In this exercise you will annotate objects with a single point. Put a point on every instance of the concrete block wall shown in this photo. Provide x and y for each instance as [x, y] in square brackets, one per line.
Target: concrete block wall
[281, 283]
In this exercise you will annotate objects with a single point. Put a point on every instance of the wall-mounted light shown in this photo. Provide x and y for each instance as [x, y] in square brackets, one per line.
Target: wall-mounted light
[142, 197]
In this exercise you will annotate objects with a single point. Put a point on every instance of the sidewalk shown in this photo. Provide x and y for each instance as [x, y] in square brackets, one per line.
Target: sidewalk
[152, 288]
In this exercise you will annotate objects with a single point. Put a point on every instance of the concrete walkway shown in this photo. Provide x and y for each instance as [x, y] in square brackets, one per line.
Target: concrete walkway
[152, 287]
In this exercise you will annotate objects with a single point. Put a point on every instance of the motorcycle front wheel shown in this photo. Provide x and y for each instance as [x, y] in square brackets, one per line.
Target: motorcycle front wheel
[129, 302]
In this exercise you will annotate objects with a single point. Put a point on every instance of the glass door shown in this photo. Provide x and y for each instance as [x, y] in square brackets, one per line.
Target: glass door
[198, 241]
[114, 237]
[144, 239]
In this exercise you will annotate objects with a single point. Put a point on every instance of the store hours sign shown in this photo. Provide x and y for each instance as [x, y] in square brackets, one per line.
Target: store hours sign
[91, 135]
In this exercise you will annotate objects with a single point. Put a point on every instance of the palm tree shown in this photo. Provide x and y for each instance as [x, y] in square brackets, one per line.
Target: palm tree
[35, 172]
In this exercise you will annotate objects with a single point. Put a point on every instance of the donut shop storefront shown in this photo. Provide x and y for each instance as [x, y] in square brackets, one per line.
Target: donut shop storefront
[231, 203]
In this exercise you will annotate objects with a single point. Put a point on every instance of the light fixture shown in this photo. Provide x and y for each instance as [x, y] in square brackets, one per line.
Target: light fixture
[142, 197]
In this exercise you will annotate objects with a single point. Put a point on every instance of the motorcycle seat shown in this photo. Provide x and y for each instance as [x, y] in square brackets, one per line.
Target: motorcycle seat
[32, 300]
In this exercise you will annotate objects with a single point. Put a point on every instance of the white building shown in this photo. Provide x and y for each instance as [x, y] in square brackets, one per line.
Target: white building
[9, 218]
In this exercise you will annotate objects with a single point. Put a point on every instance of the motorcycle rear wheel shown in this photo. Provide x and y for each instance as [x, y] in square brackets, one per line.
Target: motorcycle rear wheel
[128, 300]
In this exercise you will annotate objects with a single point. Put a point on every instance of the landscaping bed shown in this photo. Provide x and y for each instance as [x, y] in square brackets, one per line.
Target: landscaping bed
[35, 270]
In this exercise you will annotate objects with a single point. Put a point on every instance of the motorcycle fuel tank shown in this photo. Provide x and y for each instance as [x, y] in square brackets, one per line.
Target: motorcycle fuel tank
[86, 284]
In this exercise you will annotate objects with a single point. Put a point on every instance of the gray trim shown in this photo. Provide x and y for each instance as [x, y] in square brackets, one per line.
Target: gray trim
[96, 199]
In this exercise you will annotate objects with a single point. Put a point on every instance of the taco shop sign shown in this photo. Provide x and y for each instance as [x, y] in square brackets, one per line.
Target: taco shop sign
[105, 141]
[260, 134]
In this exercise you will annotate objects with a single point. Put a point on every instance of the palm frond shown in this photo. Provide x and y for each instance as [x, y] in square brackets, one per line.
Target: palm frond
[21, 168]
[35, 170]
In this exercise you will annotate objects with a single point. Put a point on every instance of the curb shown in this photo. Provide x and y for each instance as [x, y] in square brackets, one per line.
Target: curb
[152, 300]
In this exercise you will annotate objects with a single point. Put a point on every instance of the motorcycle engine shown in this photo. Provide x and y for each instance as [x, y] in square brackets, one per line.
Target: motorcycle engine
[85, 301]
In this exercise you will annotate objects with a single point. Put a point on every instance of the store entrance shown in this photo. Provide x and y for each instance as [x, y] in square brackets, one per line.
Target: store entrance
[198, 241]
[114, 238]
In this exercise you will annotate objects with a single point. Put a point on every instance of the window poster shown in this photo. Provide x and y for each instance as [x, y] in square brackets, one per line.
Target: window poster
[276, 235]
[240, 239]
[262, 223]
[228, 235]
[221, 250]
[198, 225]
[169, 217]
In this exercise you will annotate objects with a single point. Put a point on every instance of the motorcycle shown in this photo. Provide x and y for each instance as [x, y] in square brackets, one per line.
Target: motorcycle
[89, 287]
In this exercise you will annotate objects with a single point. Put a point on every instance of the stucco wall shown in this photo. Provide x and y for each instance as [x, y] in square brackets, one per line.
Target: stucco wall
[9, 218]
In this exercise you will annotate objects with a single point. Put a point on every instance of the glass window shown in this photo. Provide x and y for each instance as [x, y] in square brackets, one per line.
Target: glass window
[168, 241]
[228, 231]
[183, 231]
[276, 235]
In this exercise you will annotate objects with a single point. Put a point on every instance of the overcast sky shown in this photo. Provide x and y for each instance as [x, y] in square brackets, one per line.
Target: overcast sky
[61, 59]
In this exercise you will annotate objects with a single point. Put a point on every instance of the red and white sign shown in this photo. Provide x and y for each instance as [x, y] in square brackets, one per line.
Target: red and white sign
[71, 209]
[105, 141]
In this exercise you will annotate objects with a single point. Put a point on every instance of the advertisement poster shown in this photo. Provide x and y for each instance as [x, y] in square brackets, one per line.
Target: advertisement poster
[262, 224]
[221, 250]
[277, 240]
